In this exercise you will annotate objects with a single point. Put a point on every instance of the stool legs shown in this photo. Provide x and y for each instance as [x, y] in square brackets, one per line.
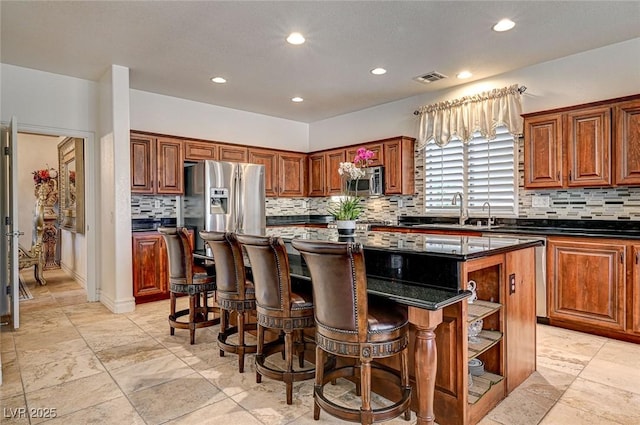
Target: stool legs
[320, 354]
[172, 315]
[240, 341]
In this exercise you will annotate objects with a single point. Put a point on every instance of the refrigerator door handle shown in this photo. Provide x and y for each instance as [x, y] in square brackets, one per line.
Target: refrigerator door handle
[239, 198]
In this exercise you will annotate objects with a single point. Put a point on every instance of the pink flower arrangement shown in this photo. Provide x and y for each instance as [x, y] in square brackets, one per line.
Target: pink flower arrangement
[43, 176]
[363, 157]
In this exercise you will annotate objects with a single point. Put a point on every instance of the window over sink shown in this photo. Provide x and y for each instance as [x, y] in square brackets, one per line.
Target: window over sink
[481, 170]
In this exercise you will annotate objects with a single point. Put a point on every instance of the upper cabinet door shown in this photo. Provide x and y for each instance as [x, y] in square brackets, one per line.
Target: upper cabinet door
[399, 166]
[233, 153]
[196, 150]
[316, 177]
[170, 166]
[627, 143]
[334, 183]
[589, 147]
[143, 163]
[543, 151]
[292, 174]
[270, 161]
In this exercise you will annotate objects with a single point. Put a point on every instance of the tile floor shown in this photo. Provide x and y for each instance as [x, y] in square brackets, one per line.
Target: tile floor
[93, 366]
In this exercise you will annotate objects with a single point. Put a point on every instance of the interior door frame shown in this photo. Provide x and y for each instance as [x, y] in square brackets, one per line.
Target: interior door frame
[91, 198]
[10, 229]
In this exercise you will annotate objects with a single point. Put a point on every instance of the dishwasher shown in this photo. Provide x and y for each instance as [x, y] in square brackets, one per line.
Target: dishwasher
[541, 268]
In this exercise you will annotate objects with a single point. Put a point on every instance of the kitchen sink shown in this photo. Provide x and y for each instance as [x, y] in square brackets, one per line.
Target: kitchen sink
[454, 226]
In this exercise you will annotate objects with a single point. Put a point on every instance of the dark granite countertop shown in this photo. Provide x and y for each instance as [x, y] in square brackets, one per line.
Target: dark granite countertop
[460, 248]
[408, 293]
[625, 229]
[283, 220]
[151, 224]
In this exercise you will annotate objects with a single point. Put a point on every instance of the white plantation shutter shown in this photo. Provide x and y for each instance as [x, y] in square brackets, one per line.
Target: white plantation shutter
[444, 174]
[482, 170]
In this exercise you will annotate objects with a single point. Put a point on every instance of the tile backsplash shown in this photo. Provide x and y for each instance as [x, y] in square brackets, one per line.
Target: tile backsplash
[621, 203]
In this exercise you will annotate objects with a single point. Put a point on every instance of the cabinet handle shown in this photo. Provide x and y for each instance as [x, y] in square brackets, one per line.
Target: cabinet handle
[622, 258]
[558, 176]
[570, 178]
[637, 257]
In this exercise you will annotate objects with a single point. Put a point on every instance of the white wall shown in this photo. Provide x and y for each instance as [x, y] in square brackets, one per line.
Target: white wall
[169, 115]
[604, 73]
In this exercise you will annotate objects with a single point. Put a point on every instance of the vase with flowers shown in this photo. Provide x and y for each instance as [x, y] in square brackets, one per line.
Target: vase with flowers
[46, 188]
[347, 210]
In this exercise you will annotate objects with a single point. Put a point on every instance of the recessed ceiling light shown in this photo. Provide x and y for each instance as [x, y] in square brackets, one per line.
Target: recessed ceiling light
[295, 38]
[378, 71]
[297, 99]
[464, 74]
[218, 80]
[504, 25]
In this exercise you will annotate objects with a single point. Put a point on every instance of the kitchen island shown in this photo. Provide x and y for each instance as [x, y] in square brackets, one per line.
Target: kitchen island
[430, 274]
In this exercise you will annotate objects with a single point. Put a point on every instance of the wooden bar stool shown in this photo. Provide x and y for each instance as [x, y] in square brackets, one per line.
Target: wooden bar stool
[351, 324]
[235, 293]
[183, 280]
[279, 307]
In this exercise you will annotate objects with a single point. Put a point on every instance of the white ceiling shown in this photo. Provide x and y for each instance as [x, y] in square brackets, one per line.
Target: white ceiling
[175, 47]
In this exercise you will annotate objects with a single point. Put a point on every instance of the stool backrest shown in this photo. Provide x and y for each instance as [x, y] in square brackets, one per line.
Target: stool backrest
[338, 277]
[270, 271]
[227, 256]
[179, 252]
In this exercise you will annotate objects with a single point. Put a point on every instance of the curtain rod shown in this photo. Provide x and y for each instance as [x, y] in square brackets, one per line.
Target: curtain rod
[520, 89]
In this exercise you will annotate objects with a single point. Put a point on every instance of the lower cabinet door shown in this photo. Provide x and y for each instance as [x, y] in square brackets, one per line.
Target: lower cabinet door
[150, 280]
[586, 283]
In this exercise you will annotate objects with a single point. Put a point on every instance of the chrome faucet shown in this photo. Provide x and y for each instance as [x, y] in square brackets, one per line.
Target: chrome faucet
[463, 213]
[489, 218]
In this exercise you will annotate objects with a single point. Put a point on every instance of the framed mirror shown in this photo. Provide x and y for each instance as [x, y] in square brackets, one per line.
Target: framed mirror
[71, 184]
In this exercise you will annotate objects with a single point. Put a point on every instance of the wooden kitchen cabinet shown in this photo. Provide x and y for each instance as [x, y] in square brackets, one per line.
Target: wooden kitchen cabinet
[316, 178]
[322, 173]
[589, 147]
[233, 153]
[398, 159]
[520, 316]
[195, 150]
[156, 164]
[333, 181]
[627, 143]
[292, 174]
[143, 164]
[506, 344]
[150, 279]
[269, 159]
[634, 290]
[151, 266]
[586, 283]
[543, 151]
[170, 166]
[285, 172]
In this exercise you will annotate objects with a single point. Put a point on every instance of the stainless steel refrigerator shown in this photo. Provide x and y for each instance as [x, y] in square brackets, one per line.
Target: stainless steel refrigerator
[223, 196]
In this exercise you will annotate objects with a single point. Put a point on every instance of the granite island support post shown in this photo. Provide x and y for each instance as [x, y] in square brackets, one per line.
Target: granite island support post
[425, 360]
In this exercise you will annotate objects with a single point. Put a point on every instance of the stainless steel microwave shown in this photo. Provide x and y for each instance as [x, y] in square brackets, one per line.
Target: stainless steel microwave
[371, 184]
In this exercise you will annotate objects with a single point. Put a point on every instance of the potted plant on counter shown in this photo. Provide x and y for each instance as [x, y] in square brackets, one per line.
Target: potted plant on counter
[347, 210]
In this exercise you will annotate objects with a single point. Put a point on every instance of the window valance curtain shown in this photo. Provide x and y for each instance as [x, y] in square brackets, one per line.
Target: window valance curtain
[462, 117]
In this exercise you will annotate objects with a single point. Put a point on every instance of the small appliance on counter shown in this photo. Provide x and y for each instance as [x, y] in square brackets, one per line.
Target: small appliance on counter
[223, 196]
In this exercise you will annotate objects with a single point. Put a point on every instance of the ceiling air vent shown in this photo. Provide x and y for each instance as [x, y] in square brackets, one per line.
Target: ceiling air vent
[430, 77]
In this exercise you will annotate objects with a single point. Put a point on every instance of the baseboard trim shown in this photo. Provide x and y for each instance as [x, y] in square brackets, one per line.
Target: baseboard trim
[82, 281]
[118, 306]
